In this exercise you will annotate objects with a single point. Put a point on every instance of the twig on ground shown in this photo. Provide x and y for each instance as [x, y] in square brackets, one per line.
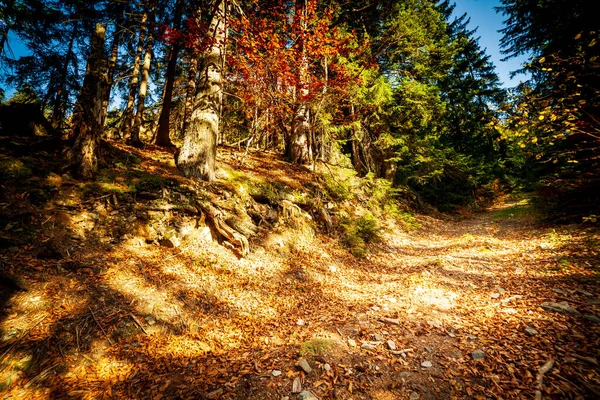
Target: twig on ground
[100, 326]
[540, 377]
[138, 323]
[12, 347]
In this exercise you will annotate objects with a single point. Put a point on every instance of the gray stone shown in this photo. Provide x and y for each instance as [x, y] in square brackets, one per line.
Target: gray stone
[306, 395]
[300, 322]
[304, 365]
[327, 367]
[391, 345]
[531, 331]
[352, 342]
[562, 308]
[477, 355]
[428, 349]
[592, 318]
[276, 373]
[426, 364]
[405, 374]
[368, 346]
[378, 337]
[414, 396]
[296, 385]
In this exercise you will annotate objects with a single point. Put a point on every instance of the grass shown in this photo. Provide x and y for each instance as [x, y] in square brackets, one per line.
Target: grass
[517, 211]
[316, 347]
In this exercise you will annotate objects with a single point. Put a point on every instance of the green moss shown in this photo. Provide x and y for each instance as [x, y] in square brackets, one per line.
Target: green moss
[316, 347]
[13, 169]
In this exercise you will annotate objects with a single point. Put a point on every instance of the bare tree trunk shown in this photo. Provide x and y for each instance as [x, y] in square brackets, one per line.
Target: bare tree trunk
[196, 159]
[112, 61]
[191, 93]
[87, 114]
[162, 132]
[58, 111]
[299, 149]
[134, 139]
[135, 77]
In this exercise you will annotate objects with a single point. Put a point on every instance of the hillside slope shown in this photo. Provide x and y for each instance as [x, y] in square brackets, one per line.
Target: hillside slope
[142, 285]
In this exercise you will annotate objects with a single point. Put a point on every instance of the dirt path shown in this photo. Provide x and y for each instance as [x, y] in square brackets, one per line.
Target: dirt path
[449, 310]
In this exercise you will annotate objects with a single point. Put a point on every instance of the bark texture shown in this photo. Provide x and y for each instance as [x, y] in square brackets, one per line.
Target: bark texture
[87, 114]
[196, 158]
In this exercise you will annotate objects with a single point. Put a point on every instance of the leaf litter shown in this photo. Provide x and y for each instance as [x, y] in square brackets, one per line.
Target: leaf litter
[108, 318]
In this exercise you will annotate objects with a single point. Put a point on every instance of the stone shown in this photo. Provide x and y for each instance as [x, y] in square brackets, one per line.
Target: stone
[559, 291]
[495, 295]
[477, 355]
[405, 374]
[170, 243]
[306, 395]
[592, 318]
[428, 349]
[368, 346]
[327, 367]
[414, 396]
[530, 331]
[378, 337]
[332, 268]
[300, 322]
[352, 342]
[304, 365]
[562, 308]
[426, 364]
[391, 345]
[296, 385]
[276, 373]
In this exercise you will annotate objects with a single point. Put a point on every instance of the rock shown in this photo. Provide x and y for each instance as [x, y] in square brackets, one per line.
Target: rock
[368, 346]
[472, 337]
[296, 385]
[531, 331]
[405, 374]
[300, 322]
[327, 367]
[351, 342]
[559, 291]
[562, 308]
[304, 365]
[376, 308]
[378, 337]
[171, 242]
[391, 345]
[306, 395]
[477, 355]
[592, 318]
[495, 295]
[414, 396]
[151, 321]
[276, 373]
[332, 268]
[392, 321]
[428, 349]
[426, 364]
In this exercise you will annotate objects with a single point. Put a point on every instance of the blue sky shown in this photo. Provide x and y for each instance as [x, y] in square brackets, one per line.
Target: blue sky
[484, 17]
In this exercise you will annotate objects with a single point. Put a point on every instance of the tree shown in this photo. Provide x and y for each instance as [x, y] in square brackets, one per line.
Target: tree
[197, 156]
[87, 115]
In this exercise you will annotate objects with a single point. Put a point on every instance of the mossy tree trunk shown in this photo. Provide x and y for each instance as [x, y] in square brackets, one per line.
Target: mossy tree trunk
[87, 113]
[196, 158]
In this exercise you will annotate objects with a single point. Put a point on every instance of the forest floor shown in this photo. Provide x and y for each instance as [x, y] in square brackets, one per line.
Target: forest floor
[493, 305]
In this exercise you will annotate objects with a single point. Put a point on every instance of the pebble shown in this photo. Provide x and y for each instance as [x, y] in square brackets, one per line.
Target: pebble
[300, 322]
[352, 342]
[378, 337]
[391, 345]
[531, 331]
[306, 395]
[304, 365]
[332, 268]
[368, 346]
[428, 349]
[495, 295]
[477, 355]
[426, 364]
[405, 374]
[276, 372]
[414, 396]
[327, 367]
[296, 385]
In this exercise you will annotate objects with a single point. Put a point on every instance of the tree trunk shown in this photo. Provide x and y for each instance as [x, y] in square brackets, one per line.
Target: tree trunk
[196, 159]
[162, 133]
[87, 113]
[135, 77]
[112, 62]
[60, 99]
[190, 94]
[134, 139]
[299, 148]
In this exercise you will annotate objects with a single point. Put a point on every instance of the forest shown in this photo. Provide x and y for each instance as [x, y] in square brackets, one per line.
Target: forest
[312, 199]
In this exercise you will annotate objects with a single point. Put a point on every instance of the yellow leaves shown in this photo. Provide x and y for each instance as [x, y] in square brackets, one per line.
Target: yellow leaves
[541, 117]
[578, 36]
[534, 140]
[522, 145]
[592, 43]
[582, 101]
[553, 117]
